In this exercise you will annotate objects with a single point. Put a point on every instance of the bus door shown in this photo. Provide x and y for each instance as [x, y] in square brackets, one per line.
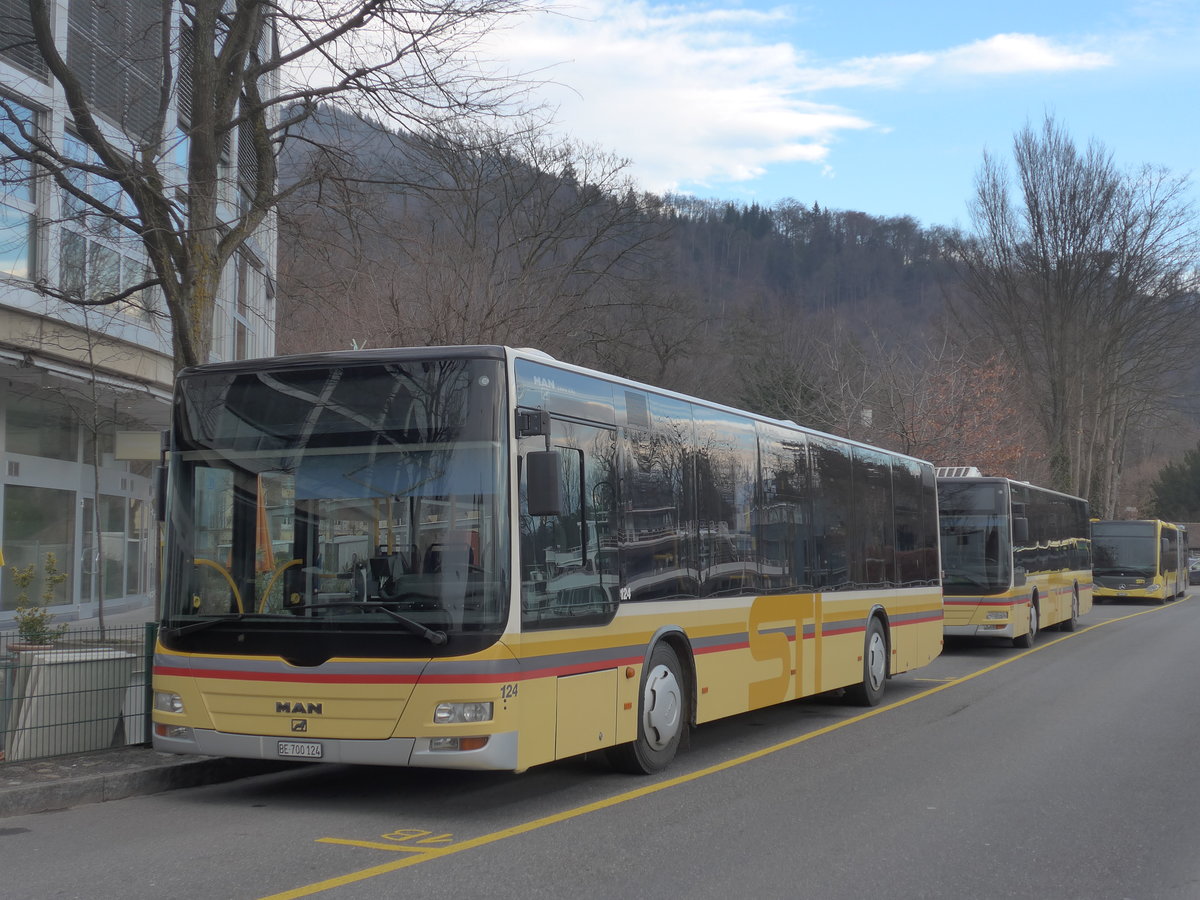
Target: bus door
[569, 578]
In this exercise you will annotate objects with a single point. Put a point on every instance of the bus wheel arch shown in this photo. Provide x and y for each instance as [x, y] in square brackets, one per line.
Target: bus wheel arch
[665, 708]
[1026, 640]
[876, 662]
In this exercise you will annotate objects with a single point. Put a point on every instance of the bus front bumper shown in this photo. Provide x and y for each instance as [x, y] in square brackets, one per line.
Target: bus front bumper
[498, 754]
[998, 629]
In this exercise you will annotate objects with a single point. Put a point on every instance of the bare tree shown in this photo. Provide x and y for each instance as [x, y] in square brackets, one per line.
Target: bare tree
[952, 403]
[505, 240]
[1085, 276]
[205, 82]
[815, 371]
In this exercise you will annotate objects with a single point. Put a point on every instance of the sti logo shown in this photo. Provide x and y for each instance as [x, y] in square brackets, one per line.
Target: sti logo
[297, 708]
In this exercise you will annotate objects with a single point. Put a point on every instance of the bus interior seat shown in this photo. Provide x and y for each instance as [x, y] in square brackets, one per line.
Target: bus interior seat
[459, 546]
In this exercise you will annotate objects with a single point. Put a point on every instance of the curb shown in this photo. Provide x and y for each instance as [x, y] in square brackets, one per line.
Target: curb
[52, 790]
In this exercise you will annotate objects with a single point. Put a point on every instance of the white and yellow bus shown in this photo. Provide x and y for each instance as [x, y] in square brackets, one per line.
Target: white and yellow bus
[1015, 558]
[481, 558]
[1141, 559]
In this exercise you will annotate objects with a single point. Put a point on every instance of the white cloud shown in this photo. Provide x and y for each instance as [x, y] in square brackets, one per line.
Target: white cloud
[1013, 53]
[711, 95]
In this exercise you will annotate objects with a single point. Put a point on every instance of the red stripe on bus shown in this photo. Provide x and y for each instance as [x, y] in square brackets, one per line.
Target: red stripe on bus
[234, 675]
[932, 618]
[719, 648]
[1018, 602]
[483, 678]
[449, 678]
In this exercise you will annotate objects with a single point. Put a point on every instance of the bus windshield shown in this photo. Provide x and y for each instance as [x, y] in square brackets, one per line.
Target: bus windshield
[1125, 549]
[975, 537]
[359, 505]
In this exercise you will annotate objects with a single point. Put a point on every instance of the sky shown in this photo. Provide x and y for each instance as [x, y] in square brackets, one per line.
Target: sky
[880, 106]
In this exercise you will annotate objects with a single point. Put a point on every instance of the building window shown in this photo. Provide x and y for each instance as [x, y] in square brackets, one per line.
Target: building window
[36, 429]
[98, 258]
[37, 522]
[136, 541]
[113, 543]
[18, 196]
[16, 38]
[115, 48]
[220, 341]
[251, 290]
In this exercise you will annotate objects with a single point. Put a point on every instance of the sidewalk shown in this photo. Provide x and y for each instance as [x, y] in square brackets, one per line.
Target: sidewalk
[61, 782]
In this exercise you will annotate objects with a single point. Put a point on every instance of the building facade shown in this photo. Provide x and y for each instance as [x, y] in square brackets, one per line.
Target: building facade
[85, 390]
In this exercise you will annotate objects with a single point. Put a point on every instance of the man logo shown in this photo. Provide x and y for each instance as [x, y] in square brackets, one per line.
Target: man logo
[297, 707]
[299, 724]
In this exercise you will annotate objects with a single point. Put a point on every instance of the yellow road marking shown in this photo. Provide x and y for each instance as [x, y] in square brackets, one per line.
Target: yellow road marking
[566, 815]
[376, 845]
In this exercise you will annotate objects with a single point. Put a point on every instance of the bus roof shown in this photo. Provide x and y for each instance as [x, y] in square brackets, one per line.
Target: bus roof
[984, 479]
[491, 351]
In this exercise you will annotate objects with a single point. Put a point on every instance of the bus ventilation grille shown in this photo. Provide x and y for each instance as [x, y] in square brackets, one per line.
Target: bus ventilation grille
[958, 472]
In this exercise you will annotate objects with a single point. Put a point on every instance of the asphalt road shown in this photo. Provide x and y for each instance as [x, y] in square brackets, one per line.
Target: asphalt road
[1061, 772]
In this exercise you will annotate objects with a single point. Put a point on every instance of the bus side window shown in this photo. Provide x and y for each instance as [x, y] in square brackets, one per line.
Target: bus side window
[562, 581]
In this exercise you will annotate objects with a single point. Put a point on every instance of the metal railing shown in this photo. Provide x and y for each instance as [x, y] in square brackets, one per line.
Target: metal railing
[87, 690]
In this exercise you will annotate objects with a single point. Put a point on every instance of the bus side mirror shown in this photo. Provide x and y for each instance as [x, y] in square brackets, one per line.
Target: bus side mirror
[1020, 530]
[543, 483]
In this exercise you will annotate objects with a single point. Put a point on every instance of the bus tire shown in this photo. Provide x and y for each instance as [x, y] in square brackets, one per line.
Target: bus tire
[1025, 641]
[662, 716]
[1073, 622]
[875, 665]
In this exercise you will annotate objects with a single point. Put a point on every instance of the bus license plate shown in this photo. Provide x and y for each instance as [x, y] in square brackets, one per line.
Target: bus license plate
[300, 750]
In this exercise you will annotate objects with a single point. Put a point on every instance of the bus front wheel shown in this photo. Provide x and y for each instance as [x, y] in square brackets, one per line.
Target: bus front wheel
[1025, 641]
[875, 664]
[1073, 623]
[662, 716]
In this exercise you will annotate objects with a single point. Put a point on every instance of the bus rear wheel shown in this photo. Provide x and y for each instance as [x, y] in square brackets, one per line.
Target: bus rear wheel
[662, 716]
[870, 690]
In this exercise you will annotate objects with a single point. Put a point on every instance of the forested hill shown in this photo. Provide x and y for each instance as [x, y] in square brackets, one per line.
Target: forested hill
[887, 271]
[407, 241]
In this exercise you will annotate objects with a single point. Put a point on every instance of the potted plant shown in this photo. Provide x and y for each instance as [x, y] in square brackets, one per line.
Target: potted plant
[32, 617]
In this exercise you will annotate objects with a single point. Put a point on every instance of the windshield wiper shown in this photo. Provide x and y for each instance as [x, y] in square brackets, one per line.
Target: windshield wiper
[437, 638]
[170, 631]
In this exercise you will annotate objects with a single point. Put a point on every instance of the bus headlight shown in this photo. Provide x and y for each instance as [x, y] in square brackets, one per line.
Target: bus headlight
[454, 713]
[997, 615]
[1154, 588]
[165, 701]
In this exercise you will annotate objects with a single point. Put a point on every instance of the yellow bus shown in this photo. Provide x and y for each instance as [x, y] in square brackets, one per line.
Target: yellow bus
[482, 558]
[1016, 558]
[1142, 559]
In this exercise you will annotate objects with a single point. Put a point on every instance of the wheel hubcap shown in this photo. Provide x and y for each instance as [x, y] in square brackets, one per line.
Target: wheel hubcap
[663, 705]
[876, 661]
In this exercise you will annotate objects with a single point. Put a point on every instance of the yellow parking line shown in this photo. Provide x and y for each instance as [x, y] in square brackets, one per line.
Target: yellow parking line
[638, 793]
